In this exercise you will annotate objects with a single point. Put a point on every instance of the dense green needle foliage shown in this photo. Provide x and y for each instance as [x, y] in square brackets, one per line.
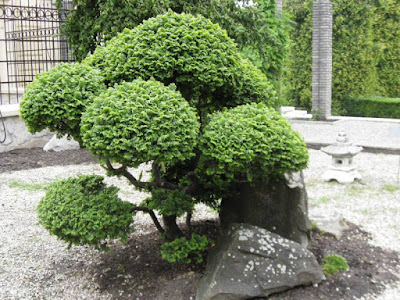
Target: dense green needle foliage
[84, 210]
[250, 142]
[181, 97]
[170, 203]
[140, 121]
[259, 33]
[195, 54]
[184, 250]
[57, 98]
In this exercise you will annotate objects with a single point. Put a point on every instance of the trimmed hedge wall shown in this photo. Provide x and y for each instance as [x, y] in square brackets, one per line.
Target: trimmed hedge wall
[373, 107]
[366, 47]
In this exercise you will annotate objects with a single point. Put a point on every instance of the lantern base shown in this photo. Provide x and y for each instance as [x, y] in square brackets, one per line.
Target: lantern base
[341, 176]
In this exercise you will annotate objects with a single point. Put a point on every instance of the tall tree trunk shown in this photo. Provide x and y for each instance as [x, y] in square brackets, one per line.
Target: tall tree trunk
[279, 206]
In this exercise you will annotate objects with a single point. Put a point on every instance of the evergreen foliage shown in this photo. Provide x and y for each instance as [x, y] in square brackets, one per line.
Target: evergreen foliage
[57, 98]
[181, 97]
[249, 143]
[361, 65]
[387, 39]
[195, 54]
[255, 27]
[84, 210]
[184, 250]
[373, 107]
[140, 121]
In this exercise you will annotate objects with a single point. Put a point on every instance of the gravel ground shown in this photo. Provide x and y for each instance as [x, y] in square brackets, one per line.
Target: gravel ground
[34, 265]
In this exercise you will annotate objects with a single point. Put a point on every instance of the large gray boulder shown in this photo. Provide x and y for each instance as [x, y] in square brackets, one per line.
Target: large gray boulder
[251, 262]
[280, 206]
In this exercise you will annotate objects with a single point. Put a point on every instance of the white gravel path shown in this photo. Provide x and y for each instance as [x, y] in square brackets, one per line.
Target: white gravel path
[35, 265]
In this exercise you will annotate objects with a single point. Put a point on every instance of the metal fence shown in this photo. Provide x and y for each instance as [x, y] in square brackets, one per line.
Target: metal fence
[30, 43]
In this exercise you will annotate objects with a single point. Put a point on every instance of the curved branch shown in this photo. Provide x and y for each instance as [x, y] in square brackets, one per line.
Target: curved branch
[152, 215]
[159, 183]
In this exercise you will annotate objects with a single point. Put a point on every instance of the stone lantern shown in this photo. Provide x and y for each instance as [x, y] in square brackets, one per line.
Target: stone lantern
[342, 169]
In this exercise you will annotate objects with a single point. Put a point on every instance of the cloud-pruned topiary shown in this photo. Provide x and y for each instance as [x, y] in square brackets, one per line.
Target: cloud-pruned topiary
[140, 121]
[84, 210]
[192, 52]
[252, 143]
[57, 98]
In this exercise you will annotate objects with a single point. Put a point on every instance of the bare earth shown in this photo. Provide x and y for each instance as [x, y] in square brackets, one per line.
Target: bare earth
[35, 265]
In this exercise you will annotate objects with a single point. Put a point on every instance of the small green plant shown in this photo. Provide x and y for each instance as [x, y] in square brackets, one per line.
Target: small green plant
[184, 250]
[314, 225]
[390, 188]
[28, 186]
[84, 210]
[333, 264]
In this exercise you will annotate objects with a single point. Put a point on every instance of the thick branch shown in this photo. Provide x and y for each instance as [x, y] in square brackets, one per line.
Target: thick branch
[162, 184]
[152, 215]
[189, 224]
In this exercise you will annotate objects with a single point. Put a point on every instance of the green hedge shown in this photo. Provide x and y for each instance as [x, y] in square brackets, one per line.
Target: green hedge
[373, 107]
[366, 39]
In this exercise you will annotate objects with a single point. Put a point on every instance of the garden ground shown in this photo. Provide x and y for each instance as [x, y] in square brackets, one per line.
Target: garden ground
[36, 265]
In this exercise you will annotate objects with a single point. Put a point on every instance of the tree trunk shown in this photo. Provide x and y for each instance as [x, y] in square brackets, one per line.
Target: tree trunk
[280, 206]
[172, 231]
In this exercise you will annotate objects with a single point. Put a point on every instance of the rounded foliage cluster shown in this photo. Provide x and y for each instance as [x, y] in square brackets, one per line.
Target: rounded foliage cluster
[140, 121]
[170, 203]
[84, 210]
[250, 142]
[192, 52]
[57, 98]
[184, 250]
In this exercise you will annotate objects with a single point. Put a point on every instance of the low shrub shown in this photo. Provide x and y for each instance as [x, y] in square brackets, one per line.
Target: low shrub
[373, 107]
[84, 210]
[333, 264]
[184, 250]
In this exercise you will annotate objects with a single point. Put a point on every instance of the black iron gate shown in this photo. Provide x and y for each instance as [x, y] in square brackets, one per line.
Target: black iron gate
[30, 43]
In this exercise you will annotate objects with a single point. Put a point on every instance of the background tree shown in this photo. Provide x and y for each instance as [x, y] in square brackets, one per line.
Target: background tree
[260, 35]
[181, 97]
[365, 51]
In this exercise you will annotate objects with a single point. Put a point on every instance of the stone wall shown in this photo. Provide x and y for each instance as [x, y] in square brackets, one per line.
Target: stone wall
[17, 135]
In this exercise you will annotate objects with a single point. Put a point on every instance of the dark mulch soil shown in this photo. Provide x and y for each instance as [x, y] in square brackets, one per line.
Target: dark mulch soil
[135, 270]
[24, 159]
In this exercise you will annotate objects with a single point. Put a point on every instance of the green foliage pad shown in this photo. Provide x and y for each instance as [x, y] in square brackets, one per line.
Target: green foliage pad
[140, 121]
[184, 250]
[57, 98]
[250, 142]
[192, 52]
[84, 210]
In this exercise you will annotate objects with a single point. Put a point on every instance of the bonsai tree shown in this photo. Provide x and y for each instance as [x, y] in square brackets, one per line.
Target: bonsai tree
[181, 97]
